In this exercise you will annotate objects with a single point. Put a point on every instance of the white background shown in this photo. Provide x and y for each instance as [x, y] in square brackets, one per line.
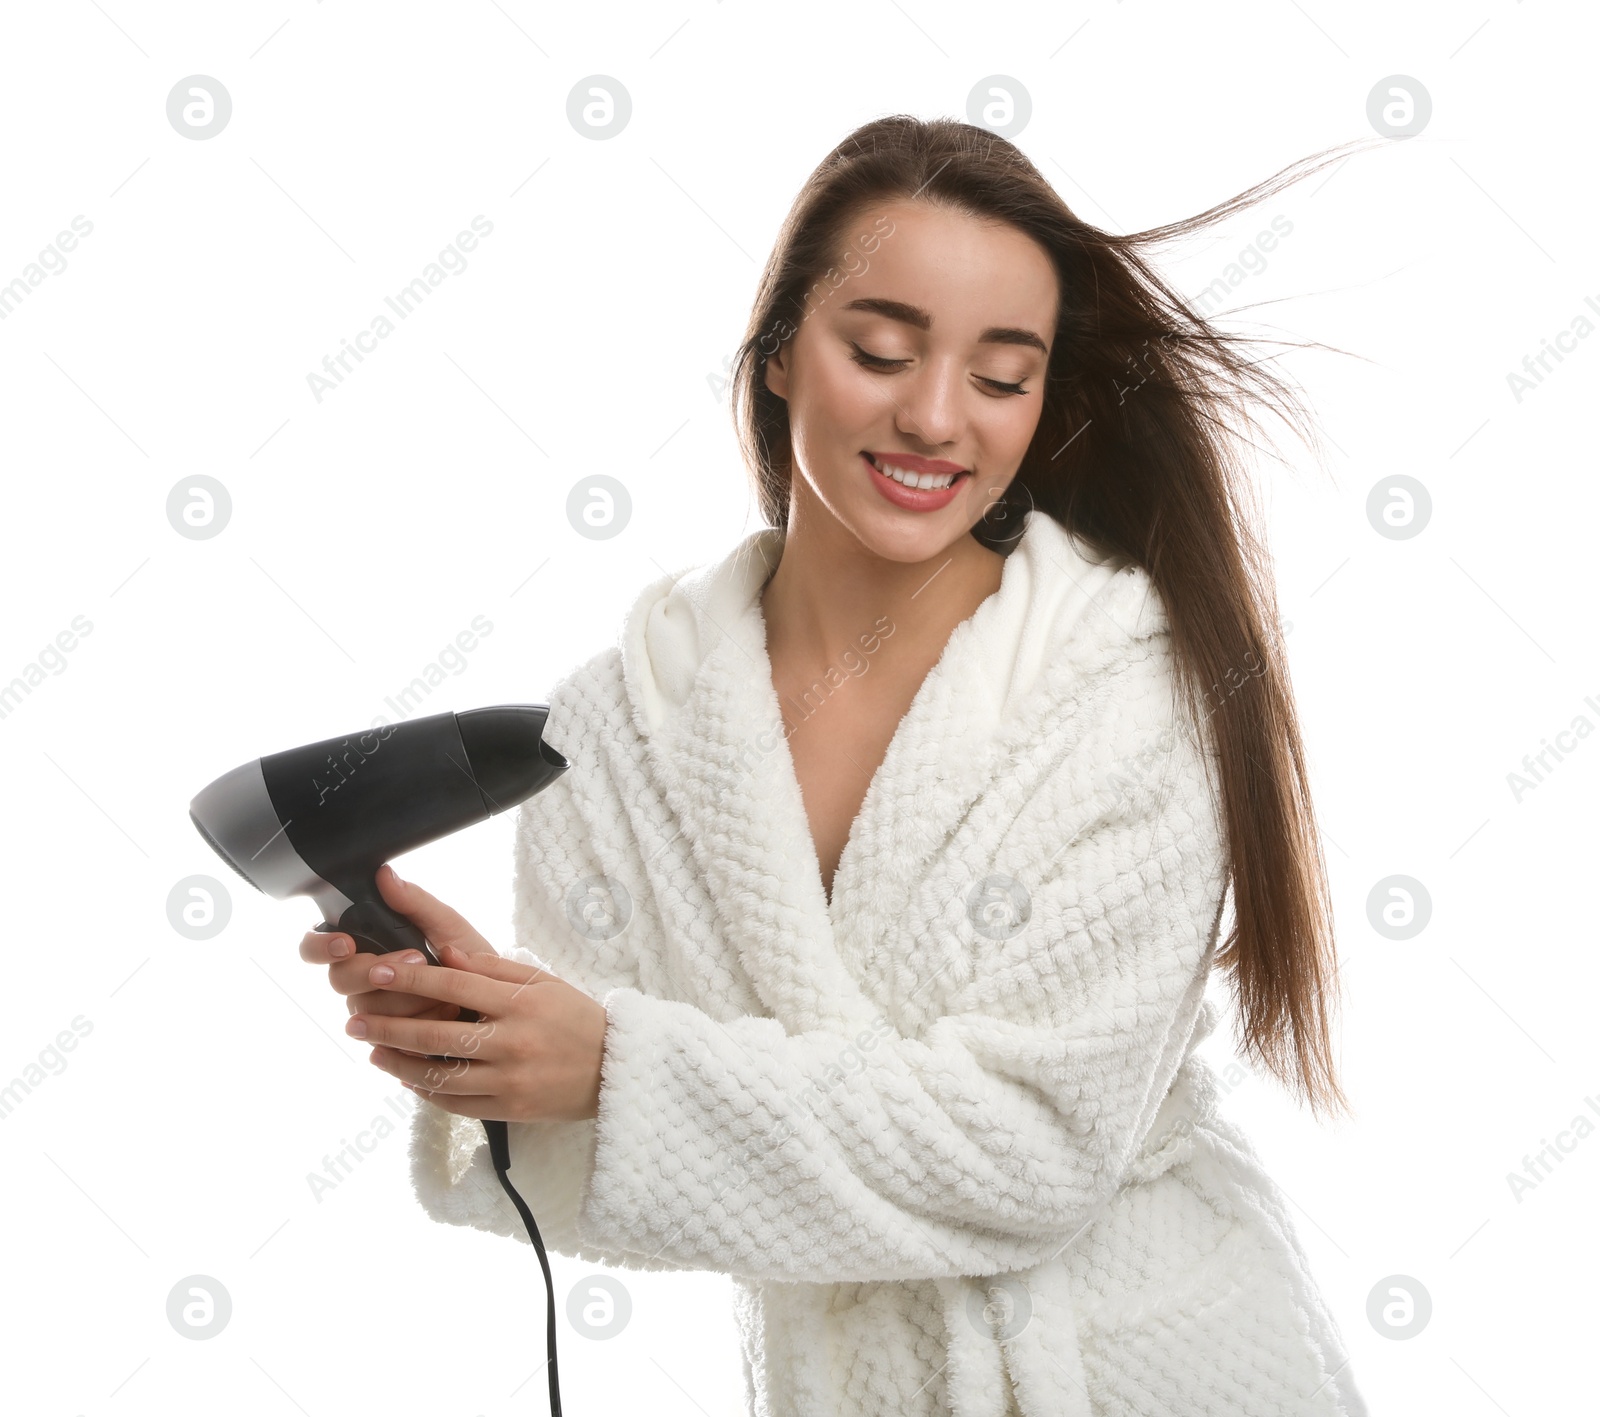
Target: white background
[370, 528]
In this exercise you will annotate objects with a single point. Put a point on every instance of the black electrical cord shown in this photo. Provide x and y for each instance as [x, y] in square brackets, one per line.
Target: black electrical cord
[500, 1155]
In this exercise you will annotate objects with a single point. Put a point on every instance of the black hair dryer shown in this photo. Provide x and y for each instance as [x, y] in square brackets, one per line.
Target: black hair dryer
[320, 820]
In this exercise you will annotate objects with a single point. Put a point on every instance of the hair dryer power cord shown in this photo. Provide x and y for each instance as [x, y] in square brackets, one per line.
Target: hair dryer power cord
[500, 1155]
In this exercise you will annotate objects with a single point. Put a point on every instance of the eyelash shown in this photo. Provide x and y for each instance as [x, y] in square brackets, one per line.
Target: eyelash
[879, 363]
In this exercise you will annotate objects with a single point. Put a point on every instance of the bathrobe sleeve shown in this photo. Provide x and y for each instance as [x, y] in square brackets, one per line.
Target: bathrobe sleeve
[987, 1142]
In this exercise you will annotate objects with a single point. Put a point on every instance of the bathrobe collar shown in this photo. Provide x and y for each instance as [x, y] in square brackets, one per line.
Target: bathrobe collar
[699, 682]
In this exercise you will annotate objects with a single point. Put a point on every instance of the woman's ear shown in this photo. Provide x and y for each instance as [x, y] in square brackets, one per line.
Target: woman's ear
[775, 374]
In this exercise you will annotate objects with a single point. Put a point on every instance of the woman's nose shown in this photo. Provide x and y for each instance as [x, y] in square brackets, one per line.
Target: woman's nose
[929, 407]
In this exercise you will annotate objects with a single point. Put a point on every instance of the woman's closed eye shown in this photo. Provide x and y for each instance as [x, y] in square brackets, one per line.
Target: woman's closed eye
[882, 365]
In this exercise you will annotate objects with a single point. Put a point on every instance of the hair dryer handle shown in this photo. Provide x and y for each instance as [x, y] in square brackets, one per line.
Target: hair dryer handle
[378, 930]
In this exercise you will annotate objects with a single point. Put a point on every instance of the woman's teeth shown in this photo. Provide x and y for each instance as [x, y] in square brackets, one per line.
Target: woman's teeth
[915, 479]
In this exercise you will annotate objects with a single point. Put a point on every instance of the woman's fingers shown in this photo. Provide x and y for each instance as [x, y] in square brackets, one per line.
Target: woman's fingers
[436, 1067]
[439, 923]
[319, 948]
[428, 1038]
[493, 965]
[348, 976]
[379, 1001]
[467, 1088]
[470, 990]
[350, 964]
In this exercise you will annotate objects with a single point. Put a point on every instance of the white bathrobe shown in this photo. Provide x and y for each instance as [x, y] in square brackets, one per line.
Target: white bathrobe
[947, 1132]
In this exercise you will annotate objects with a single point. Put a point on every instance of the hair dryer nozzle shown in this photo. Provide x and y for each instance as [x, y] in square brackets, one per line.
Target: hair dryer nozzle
[510, 759]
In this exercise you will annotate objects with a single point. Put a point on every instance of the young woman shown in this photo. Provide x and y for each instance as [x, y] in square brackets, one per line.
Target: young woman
[864, 947]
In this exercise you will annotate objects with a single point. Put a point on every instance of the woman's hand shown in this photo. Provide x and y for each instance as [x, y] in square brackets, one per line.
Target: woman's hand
[534, 1054]
[347, 969]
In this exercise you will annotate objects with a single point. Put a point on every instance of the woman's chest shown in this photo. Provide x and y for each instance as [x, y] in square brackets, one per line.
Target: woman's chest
[837, 745]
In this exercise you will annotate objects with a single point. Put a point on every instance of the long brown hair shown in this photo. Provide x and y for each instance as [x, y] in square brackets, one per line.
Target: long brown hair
[1133, 453]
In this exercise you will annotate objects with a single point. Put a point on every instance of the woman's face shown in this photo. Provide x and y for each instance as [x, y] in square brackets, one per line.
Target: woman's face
[929, 359]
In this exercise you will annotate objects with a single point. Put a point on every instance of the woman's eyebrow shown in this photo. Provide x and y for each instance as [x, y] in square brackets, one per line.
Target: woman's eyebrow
[916, 315]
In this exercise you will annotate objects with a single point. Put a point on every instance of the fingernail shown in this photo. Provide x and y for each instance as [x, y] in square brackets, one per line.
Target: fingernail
[380, 974]
[411, 957]
[396, 875]
[339, 948]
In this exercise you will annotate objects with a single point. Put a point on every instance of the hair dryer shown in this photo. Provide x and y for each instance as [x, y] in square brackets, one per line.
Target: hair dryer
[320, 820]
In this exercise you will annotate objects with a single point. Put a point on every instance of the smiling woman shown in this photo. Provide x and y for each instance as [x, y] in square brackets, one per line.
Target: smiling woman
[900, 1019]
[873, 384]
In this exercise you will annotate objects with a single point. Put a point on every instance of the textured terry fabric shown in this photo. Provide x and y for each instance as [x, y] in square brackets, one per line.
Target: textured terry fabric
[950, 1169]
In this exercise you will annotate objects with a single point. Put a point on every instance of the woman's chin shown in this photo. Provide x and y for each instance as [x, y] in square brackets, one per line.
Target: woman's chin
[909, 538]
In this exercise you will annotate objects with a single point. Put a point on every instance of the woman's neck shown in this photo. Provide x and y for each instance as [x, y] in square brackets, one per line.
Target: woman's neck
[828, 590]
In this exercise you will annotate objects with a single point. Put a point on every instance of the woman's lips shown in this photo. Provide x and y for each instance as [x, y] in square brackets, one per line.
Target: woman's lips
[916, 499]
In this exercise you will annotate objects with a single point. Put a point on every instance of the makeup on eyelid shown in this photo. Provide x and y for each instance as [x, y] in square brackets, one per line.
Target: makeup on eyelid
[884, 364]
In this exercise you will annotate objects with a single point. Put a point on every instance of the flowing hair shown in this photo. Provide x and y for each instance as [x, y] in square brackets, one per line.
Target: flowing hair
[1132, 452]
